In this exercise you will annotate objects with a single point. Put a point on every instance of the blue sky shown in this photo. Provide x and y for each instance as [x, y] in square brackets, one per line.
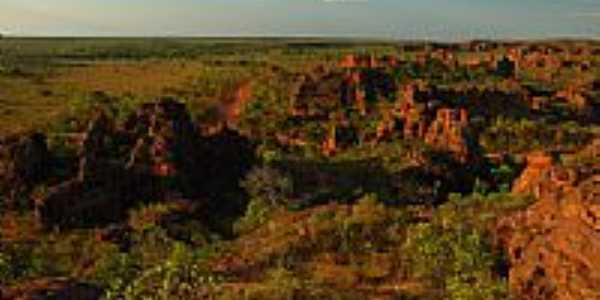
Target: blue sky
[400, 19]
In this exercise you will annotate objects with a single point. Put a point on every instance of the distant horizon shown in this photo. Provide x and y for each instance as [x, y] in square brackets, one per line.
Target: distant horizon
[311, 37]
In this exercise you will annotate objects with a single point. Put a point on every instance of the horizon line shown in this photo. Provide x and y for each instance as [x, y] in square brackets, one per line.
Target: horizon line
[371, 39]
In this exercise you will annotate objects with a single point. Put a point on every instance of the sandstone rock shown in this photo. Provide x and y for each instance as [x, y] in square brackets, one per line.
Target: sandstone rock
[234, 101]
[166, 142]
[447, 132]
[573, 96]
[94, 149]
[538, 168]
[24, 162]
[553, 245]
[329, 145]
[157, 151]
[349, 61]
[359, 61]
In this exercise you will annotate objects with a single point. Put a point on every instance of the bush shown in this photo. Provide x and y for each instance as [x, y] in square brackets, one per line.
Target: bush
[17, 262]
[456, 261]
[180, 276]
[56, 255]
[5, 270]
[281, 283]
[268, 185]
[257, 213]
[363, 229]
[116, 272]
[268, 189]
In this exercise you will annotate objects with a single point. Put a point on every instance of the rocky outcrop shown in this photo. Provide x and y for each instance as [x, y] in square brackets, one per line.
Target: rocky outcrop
[361, 83]
[553, 246]
[156, 153]
[572, 95]
[447, 132]
[234, 101]
[362, 61]
[539, 165]
[94, 149]
[165, 138]
[24, 162]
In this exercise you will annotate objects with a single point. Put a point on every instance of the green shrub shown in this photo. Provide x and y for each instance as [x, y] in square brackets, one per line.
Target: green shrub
[116, 272]
[269, 190]
[268, 185]
[180, 276]
[18, 261]
[281, 284]
[257, 213]
[5, 270]
[365, 228]
[457, 261]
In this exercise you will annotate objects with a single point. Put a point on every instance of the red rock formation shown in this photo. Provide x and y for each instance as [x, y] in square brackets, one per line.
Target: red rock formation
[472, 62]
[169, 135]
[235, 103]
[515, 54]
[156, 151]
[385, 126]
[329, 146]
[24, 161]
[362, 61]
[446, 131]
[352, 93]
[538, 166]
[349, 61]
[93, 148]
[407, 111]
[373, 62]
[553, 245]
[572, 95]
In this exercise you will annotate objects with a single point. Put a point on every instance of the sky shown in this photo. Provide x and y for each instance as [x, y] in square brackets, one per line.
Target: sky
[394, 19]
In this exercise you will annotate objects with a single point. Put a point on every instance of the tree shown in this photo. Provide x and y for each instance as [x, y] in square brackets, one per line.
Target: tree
[506, 68]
